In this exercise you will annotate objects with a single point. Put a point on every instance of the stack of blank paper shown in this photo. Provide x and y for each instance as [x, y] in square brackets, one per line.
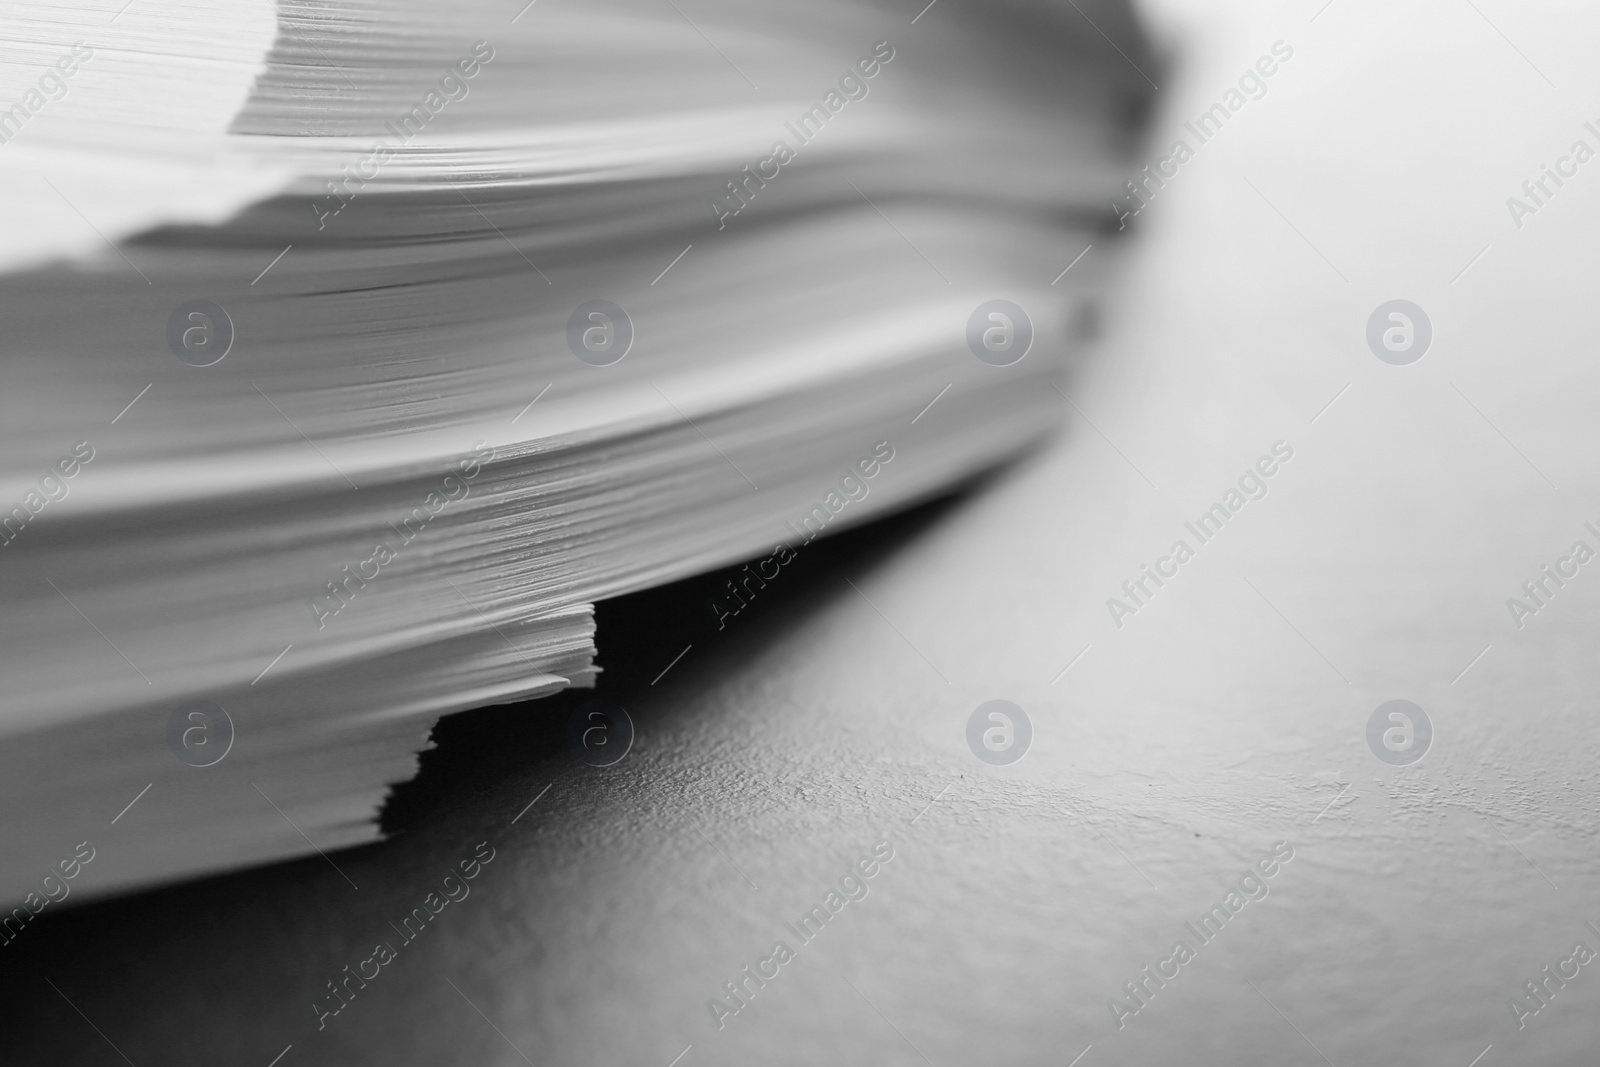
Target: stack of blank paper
[354, 349]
